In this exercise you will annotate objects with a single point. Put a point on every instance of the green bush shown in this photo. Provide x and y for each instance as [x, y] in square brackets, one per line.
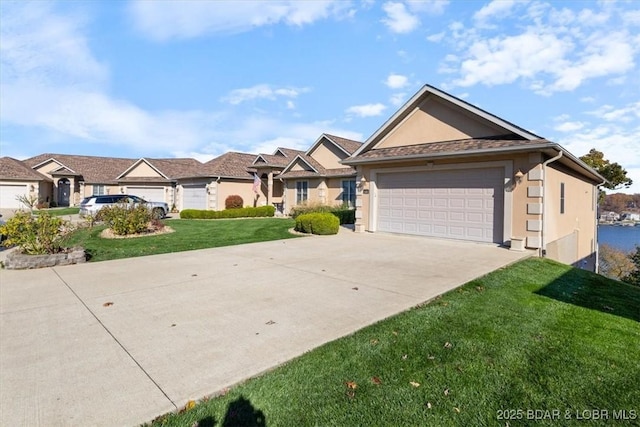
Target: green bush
[233, 202]
[259, 212]
[346, 215]
[126, 219]
[39, 235]
[322, 223]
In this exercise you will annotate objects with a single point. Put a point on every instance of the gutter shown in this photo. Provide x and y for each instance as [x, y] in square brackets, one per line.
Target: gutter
[543, 249]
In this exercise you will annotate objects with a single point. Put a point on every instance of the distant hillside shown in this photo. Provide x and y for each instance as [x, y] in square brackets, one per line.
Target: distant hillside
[620, 202]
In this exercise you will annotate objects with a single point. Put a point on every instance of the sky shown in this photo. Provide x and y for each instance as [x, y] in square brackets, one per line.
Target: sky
[146, 78]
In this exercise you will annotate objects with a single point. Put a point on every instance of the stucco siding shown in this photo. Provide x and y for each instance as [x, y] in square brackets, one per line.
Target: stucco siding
[328, 155]
[142, 169]
[243, 188]
[569, 236]
[434, 121]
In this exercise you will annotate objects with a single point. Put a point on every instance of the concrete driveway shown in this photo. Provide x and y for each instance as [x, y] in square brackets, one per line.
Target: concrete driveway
[120, 342]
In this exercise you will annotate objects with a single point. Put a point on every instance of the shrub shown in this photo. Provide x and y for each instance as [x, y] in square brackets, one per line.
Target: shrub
[233, 202]
[322, 223]
[126, 219]
[345, 215]
[260, 211]
[39, 235]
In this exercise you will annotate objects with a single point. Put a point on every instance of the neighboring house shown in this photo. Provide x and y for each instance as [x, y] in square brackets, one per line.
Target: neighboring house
[75, 177]
[609, 216]
[630, 216]
[296, 177]
[64, 180]
[442, 167]
[19, 180]
[318, 176]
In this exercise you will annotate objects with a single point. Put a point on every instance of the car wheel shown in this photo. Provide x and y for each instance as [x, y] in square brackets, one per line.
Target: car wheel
[157, 213]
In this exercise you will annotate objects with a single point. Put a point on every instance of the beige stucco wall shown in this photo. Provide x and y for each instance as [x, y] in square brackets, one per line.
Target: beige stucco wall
[47, 167]
[142, 169]
[290, 192]
[300, 166]
[108, 189]
[328, 155]
[435, 120]
[243, 188]
[570, 237]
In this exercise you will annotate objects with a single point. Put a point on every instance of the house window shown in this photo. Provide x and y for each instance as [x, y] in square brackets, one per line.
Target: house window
[562, 197]
[98, 190]
[302, 192]
[349, 193]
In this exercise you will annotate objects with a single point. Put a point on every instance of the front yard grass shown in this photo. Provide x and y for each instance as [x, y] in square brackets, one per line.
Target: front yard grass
[188, 235]
[537, 343]
[57, 211]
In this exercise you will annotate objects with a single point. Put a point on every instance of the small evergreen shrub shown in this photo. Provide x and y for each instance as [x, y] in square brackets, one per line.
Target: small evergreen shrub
[249, 212]
[39, 235]
[233, 202]
[345, 215]
[322, 223]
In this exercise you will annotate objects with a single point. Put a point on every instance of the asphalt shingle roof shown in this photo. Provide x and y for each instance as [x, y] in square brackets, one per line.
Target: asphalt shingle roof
[94, 169]
[13, 169]
[231, 165]
[461, 147]
[348, 145]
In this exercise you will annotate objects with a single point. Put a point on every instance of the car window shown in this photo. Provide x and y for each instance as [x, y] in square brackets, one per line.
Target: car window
[85, 200]
[103, 200]
[137, 199]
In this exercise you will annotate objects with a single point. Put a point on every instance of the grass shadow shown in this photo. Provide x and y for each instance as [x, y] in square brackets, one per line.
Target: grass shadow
[242, 413]
[584, 289]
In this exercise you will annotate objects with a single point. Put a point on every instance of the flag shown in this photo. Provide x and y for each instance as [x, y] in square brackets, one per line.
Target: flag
[256, 183]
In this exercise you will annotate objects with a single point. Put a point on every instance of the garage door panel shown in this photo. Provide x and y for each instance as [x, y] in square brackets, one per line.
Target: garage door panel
[150, 194]
[457, 204]
[9, 195]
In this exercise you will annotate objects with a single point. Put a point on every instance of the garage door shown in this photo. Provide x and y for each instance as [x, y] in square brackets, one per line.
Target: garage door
[194, 197]
[8, 194]
[456, 204]
[150, 194]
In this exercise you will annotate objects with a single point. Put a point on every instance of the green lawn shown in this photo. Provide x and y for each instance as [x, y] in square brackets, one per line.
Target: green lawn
[57, 211]
[188, 235]
[536, 336]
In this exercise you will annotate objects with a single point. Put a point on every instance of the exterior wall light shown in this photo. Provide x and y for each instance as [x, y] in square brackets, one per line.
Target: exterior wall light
[519, 175]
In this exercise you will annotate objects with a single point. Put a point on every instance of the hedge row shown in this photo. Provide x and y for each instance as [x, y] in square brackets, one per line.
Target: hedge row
[322, 223]
[346, 215]
[260, 211]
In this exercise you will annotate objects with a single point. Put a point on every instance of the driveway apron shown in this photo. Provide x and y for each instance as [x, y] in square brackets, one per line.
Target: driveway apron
[121, 342]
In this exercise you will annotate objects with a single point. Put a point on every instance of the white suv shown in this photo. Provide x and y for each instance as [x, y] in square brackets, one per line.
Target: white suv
[92, 204]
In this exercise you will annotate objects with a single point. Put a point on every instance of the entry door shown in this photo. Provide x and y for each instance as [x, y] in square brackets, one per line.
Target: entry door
[455, 204]
[64, 190]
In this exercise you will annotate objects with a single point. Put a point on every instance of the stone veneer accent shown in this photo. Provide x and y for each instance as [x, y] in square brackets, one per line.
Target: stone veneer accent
[19, 261]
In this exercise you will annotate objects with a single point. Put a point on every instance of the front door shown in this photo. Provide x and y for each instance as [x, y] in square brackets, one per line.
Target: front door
[64, 188]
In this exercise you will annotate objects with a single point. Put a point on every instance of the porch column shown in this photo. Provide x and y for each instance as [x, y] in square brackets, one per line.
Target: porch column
[269, 187]
[361, 182]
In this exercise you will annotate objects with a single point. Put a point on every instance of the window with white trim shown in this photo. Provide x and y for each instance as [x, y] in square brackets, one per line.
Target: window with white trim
[302, 192]
[562, 197]
[349, 192]
[98, 190]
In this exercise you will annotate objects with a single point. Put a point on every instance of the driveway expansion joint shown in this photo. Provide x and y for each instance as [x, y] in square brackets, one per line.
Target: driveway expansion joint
[115, 339]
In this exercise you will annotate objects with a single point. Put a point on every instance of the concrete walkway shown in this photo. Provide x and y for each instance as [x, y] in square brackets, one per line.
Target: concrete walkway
[120, 342]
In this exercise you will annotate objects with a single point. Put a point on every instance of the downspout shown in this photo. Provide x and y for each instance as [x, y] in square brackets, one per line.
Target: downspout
[543, 250]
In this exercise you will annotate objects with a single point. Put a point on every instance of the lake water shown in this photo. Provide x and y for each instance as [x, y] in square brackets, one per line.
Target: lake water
[619, 237]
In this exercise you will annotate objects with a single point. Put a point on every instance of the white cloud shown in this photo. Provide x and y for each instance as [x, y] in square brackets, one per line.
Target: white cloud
[163, 20]
[430, 7]
[262, 91]
[399, 19]
[627, 114]
[553, 50]
[436, 38]
[398, 99]
[588, 99]
[499, 9]
[396, 81]
[366, 110]
[569, 126]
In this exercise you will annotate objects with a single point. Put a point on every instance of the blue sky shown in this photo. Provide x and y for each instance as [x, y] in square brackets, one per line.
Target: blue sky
[199, 78]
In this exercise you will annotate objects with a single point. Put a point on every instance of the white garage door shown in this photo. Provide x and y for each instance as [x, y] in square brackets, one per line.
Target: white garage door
[8, 195]
[150, 194]
[455, 204]
[194, 197]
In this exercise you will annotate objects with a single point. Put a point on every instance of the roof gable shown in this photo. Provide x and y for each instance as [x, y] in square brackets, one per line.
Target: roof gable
[301, 163]
[142, 168]
[91, 169]
[432, 115]
[231, 165]
[13, 169]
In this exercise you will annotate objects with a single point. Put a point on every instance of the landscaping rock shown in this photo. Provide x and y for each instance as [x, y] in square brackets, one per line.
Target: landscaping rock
[20, 261]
